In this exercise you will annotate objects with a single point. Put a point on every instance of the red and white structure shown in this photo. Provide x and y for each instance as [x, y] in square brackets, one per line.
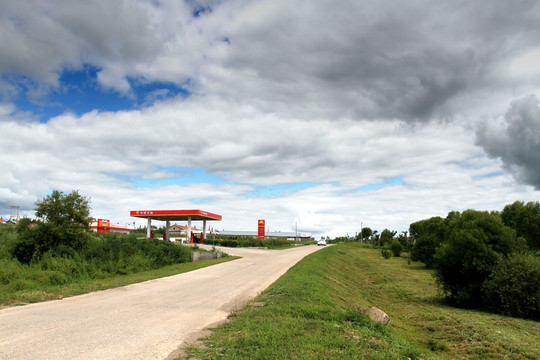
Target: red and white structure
[175, 215]
[105, 226]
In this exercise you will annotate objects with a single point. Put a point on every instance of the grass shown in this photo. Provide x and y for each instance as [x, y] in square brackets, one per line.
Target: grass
[317, 311]
[82, 286]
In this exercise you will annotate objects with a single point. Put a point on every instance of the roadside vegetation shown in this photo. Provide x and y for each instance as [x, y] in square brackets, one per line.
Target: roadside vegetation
[485, 260]
[249, 241]
[482, 260]
[317, 310]
[58, 256]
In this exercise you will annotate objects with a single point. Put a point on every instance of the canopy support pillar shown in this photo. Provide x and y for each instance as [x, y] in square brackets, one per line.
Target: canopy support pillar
[204, 230]
[189, 229]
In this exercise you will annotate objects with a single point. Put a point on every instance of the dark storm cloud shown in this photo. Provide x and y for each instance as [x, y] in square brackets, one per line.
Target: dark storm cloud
[518, 143]
[413, 61]
[406, 60]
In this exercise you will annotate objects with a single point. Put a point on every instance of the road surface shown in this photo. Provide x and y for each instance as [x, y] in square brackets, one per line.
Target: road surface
[148, 320]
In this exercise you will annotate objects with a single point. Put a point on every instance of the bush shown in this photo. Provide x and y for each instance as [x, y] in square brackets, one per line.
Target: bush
[428, 236]
[121, 254]
[385, 253]
[35, 238]
[386, 237]
[525, 219]
[477, 242]
[247, 241]
[396, 247]
[513, 287]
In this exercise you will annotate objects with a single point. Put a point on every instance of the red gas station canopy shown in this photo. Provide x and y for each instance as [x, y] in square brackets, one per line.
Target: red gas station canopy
[175, 215]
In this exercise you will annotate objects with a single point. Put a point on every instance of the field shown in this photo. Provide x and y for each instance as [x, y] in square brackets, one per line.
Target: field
[318, 311]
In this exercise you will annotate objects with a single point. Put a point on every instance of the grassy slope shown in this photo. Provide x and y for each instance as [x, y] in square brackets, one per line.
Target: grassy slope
[51, 292]
[316, 311]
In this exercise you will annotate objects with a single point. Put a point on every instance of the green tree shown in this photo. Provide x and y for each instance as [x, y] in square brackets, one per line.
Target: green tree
[396, 247]
[386, 237]
[375, 236]
[477, 242]
[71, 211]
[428, 235]
[64, 229]
[366, 233]
[525, 219]
[513, 287]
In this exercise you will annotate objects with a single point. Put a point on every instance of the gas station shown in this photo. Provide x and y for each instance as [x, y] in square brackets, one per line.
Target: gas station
[175, 215]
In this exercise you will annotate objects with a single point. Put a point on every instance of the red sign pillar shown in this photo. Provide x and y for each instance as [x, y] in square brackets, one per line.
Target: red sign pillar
[260, 234]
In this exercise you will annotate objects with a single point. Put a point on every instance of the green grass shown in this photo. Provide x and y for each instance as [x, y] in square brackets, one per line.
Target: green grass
[317, 311]
[44, 292]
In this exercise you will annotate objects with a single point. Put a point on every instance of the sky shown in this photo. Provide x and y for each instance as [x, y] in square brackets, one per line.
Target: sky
[318, 115]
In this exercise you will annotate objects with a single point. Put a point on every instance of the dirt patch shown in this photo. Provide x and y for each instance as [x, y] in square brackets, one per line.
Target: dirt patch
[193, 339]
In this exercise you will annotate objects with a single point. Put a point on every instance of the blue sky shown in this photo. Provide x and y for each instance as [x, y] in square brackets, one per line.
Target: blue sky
[253, 110]
[79, 92]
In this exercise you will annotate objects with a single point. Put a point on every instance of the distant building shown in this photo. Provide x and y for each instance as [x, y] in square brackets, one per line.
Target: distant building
[178, 233]
[270, 234]
[105, 226]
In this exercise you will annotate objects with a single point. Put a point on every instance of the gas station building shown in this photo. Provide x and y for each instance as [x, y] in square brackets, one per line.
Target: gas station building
[175, 215]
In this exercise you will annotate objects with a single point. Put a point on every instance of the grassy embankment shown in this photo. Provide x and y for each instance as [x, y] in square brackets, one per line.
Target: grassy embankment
[107, 261]
[10, 295]
[316, 311]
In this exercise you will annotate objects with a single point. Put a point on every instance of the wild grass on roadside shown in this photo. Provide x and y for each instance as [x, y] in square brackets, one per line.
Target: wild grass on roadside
[30, 291]
[317, 311]
[106, 260]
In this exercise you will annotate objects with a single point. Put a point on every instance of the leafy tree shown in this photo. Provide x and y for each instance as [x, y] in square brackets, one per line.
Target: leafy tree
[375, 237]
[71, 211]
[366, 233]
[64, 229]
[405, 241]
[513, 287]
[396, 247]
[477, 242]
[428, 235]
[525, 219]
[386, 237]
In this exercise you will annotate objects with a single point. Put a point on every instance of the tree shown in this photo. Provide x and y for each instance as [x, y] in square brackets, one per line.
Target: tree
[386, 237]
[375, 237]
[476, 243]
[71, 211]
[366, 233]
[513, 287]
[428, 235]
[65, 225]
[525, 219]
[396, 247]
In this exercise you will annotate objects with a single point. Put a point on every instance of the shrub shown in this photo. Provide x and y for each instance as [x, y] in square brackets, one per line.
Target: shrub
[396, 247]
[386, 237]
[525, 219]
[36, 238]
[477, 242]
[513, 287]
[428, 236]
[385, 253]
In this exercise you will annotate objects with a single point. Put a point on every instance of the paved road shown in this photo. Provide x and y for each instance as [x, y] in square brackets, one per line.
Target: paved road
[148, 320]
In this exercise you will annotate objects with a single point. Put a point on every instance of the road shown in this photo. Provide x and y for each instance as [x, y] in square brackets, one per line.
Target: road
[149, 320]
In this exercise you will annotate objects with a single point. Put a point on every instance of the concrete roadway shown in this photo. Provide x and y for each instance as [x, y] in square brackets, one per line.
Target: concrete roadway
[149, 320]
